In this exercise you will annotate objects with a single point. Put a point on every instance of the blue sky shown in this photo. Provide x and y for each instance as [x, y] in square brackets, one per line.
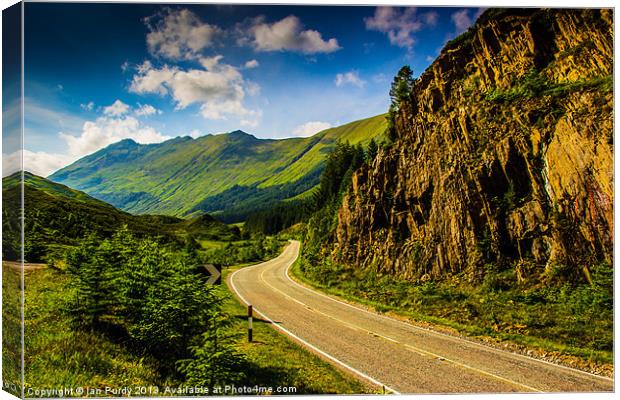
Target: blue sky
[99, 73]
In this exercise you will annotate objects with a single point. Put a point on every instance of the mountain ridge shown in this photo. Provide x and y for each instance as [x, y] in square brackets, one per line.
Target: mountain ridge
[57, 216]
[180, 176]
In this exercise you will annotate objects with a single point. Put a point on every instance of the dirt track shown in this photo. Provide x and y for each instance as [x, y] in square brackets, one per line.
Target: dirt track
[27, 266]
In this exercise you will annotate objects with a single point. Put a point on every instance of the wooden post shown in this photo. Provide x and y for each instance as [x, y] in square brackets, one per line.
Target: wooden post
[249, 323]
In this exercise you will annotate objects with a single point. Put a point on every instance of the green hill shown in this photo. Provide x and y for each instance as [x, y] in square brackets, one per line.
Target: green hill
[56, 216]
[213, 173]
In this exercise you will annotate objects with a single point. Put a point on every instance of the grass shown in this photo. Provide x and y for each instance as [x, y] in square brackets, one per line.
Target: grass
[174, 176]
[11, 330]
[535, 84]
[58, 217]
[58, 356]
[477, 312]
[281, 362]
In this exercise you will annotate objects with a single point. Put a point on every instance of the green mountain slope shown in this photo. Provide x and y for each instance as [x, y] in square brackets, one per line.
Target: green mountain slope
[56, 216]
[213, 173]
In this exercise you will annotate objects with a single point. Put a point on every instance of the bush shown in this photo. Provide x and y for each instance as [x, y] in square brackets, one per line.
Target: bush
[214, 360]
[148, 296]
[534, 84]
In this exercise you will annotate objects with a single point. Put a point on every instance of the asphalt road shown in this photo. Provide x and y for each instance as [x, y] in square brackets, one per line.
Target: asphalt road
[402, 357]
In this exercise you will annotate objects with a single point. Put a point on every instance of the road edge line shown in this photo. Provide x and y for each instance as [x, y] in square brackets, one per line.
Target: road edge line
[287, 273]
[304, 342]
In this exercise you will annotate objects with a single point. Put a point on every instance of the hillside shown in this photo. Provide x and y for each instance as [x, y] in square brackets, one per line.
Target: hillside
[56, 216]
[503, 158]
[491, 211]
[186, 176]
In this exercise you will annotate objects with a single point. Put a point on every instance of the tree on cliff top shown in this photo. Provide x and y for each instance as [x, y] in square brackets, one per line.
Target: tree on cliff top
[401, 86]
[399, 92]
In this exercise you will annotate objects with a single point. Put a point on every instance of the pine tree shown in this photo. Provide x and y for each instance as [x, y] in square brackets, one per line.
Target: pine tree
[399, 92]
[401, 86]
[371, 151]
[92, 289]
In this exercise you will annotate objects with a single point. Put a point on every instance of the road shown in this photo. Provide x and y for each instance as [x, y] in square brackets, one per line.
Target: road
[402, 357]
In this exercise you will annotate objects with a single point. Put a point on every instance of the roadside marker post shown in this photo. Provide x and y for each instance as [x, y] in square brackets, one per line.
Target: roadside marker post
[249, 323]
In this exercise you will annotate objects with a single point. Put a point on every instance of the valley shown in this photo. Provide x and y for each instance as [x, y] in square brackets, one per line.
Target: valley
[185, 176]
[460, 243]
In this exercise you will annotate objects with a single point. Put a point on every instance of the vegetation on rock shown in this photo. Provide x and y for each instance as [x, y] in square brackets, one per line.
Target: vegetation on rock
[493, 211]
[228, 175]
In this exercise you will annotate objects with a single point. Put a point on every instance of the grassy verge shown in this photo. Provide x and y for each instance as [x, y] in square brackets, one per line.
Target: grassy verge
[11, 330]
[451, 307]
[281, 362]
[57, 356]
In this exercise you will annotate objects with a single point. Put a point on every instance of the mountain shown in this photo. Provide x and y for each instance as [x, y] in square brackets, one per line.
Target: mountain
[186, 176]
[56, 216]
[503, 156]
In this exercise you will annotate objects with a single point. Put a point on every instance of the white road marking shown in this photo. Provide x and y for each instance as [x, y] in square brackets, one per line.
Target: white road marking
[406, 345]
[408, 325]
[452, 338]
[309, 345]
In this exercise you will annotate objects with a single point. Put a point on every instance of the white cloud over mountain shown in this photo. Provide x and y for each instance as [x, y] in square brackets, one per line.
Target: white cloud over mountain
[218, 88]
[288, 34]
[106, 130]
[112, 126]
[351, 77]
[145, 110]
[179, 34]
[39, 162]
[116, 109]
[310, 128]
[462, 20]
[400, 24]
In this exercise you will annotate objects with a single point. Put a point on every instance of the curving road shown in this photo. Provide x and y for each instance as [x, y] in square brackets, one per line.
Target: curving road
[401, 357]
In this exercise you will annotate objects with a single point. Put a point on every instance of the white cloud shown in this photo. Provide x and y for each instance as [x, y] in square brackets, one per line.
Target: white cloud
[179, 34]
[310, 128]
[113, 126]
[38, 163]
[146, 110]
[251, 64]
[351, 77]
[116, 109]
[429, 58]
[195, 133]
[253, 88]
[219, 88]
[251, 119]
[400, 25]
[87, 106]
[286, 35]
[11, 163]
[107, 130]
[150, 79]
[462, 21]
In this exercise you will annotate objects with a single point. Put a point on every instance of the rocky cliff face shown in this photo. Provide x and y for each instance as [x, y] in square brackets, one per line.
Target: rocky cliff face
[504, 155]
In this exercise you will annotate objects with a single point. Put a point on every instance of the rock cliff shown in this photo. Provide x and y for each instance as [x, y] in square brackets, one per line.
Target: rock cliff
[504, 155]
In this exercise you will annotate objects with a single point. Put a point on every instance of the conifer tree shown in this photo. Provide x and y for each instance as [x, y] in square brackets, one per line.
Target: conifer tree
[399, 92]
[371, 151]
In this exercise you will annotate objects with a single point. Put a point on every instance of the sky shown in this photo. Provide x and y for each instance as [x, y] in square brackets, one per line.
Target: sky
[99, 73]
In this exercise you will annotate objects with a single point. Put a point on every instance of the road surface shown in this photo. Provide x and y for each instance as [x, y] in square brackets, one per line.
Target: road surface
[400, 356]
